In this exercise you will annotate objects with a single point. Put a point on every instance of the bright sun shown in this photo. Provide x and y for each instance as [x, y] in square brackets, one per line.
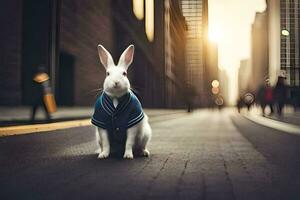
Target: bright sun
[214, 34]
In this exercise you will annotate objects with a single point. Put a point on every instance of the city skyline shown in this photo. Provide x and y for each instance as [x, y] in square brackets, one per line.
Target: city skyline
[232, 34]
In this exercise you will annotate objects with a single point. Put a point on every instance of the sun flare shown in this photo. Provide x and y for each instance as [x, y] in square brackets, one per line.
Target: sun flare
[214, 34]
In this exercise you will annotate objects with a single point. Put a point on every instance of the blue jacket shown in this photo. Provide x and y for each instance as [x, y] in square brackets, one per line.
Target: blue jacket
[117, 120]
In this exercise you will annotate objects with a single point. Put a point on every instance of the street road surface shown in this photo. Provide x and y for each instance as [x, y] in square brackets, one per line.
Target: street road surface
[203, 155]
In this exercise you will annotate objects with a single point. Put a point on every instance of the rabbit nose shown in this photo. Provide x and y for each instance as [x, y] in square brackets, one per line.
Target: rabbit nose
[117, 83]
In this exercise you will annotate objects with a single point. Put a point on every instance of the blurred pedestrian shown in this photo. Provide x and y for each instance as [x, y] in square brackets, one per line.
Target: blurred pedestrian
[219, 101]
[240, 104]
[190, 95]
[41, 94]
[265, 96]
[248, 100]
[280, 92]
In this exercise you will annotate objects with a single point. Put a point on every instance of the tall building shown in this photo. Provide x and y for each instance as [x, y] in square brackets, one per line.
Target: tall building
[78, 72]
[175, 40]
[284, 22]
[224, 85]
[158, 71]
[196, 15]
[274, 34]
[259, 50]
[10, 52]
[211, 71]
[28, 39]
[64, 34]
[244, 75]
[284, 52]
[289, 40]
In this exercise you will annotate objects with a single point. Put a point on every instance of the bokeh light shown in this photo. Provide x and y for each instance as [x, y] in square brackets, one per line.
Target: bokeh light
[215, 83]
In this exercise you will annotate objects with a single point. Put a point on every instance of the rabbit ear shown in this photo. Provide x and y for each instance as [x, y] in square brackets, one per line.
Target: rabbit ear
[126, 57]
[105, 57]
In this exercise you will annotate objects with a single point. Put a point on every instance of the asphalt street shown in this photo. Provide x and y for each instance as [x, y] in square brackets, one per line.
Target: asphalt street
[203, 155]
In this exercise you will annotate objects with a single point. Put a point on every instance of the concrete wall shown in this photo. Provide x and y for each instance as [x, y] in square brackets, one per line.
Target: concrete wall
[244, 77]
[273, 10]
[81, 27]
[211, 71]
[175, 39]
[259, 51]
[84, 26]
[10, 52]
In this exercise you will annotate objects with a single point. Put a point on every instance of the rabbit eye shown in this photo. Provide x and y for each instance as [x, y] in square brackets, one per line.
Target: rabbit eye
[124, 74]
[107, 73]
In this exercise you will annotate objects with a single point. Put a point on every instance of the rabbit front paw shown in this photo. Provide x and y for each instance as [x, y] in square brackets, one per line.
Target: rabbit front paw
[103, 155]
[146, 153]
[128, 155]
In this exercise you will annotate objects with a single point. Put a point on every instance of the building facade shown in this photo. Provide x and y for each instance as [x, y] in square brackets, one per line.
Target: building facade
[158, 71]
[284, 48]
[289, 40]
[196, 15]
[244, 75]
[224, 85]
[10, 52]
[78, 72]
[211, 72]
[64, 34]
[259, 51]
[175, 62]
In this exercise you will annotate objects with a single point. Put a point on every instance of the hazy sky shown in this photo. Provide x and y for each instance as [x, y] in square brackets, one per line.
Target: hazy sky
[230, 25]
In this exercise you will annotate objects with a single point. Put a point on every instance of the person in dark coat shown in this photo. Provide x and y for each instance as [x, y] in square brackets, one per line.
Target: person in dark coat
[265, 97]
[248, 99]
[240, 104]
[189, 97]
[38, 92]
[280, 93]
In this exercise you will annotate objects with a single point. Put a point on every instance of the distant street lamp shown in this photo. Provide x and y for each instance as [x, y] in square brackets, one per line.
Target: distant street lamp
[285, 32]
[215, 87]
[149, 20]
[215, 83]
[138, 9]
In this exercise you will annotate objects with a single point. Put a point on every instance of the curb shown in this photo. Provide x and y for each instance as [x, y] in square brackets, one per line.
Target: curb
[274, 124]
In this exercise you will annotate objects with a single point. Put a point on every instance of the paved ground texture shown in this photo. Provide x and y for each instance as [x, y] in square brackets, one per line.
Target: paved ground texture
[203, 155]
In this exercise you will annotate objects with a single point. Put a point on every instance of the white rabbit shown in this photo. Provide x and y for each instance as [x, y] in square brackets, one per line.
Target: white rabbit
[118, 116]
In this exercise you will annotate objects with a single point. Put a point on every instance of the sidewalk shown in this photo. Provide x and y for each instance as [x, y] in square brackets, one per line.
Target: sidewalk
[289, 122]
[289, 115]
[10, 116]
[291, 118]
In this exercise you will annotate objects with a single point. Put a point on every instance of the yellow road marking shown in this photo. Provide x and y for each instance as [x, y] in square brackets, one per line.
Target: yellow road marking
[25, 129]
[37, 128]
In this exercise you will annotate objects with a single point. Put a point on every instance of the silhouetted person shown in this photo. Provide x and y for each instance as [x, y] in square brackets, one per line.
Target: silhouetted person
[219, 101]
[265, 96]
[39, 79]
[280, 92]
[248, 100]
[240, 104]
[190, 94]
